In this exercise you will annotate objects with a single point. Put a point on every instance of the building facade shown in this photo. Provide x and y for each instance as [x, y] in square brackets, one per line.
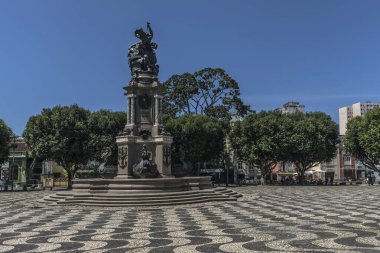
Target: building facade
[292, 107]
[348, 112]
[350, 167]
[21, 168]
[14, 170]
[345, 114]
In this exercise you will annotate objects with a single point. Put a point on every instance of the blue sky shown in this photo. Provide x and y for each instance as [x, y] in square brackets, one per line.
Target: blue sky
[324, 54]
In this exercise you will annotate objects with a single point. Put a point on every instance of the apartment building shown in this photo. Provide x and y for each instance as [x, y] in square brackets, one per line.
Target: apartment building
[345, 114]
[348, 112]
[349, 166]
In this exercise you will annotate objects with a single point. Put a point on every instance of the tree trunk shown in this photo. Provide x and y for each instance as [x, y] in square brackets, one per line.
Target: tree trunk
[302, 177]
[70, 176]
[263, 176]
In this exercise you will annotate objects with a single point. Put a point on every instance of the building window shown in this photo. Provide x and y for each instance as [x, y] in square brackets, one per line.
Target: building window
[346, 159]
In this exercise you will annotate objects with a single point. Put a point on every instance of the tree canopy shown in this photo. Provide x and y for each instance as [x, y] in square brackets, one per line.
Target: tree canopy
[197, 110]
[104, 126]
[60, 134]
[259, 139]
[362, 139]
[71, 136]
[197, 138]
[210, 91]
[271, 137]
[5, 133]
[311, 139]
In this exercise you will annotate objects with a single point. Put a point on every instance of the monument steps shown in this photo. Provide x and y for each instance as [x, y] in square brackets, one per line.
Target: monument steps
[142, 203]
[228, 192]
[136, 198]
[141, 198]
[139, 193]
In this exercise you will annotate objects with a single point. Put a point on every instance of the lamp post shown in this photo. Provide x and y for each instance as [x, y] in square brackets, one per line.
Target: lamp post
[225, 160]
[13, 146]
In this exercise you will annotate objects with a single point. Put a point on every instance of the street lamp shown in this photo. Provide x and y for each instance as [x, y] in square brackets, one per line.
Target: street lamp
[225, 160]
[13, 146]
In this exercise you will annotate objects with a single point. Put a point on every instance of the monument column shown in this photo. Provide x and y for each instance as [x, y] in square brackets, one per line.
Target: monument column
[157, 109]
[133, 109]
[160, 110]
[129, 110]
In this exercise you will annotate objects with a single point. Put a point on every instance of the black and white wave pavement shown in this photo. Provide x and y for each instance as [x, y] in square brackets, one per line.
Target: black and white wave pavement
[266, 219]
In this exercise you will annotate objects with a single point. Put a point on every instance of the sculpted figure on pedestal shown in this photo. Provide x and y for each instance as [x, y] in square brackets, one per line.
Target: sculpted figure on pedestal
[145, 168]
[141, 56]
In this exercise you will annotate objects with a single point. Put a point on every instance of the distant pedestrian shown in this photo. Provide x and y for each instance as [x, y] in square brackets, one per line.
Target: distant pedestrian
[1, 184]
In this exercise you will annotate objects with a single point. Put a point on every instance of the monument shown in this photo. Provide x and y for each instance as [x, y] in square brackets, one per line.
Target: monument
[144, 145]
[143, 176]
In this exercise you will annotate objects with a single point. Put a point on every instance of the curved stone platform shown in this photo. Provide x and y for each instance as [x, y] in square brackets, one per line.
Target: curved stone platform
[141, 192]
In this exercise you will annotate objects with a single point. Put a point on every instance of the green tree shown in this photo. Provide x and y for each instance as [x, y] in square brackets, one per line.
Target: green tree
[259, 139]
[60, 134]
[362, 139]
[210, 91]
[197, 139]
[5, 133]
[104, 126]
[311, 139]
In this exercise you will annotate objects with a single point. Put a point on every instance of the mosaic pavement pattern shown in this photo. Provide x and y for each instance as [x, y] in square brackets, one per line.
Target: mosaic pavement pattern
[273, 219]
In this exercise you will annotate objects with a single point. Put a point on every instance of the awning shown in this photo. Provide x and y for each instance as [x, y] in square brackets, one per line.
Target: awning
[317, 171]
[211, 170]
[285, 173]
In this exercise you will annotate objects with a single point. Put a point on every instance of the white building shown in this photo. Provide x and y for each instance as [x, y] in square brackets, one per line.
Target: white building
[348, 112]
[345, 114]
[292, 107]
[350, 167]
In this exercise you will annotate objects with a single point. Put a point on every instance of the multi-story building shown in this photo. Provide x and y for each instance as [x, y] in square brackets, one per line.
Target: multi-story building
[342, 167]
[350, 167]
[348, 112]
[345, 114]
[292, 107]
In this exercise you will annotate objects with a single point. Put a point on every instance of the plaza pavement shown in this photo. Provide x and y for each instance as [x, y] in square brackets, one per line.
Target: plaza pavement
[267, 218]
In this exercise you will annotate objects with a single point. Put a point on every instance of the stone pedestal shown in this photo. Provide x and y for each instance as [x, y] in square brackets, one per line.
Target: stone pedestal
[144, 127]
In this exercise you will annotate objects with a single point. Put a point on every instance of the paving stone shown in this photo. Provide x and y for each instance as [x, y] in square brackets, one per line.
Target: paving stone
[269, 218]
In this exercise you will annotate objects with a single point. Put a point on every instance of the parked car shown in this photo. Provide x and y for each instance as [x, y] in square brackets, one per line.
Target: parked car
[376, 180]
[247, 181]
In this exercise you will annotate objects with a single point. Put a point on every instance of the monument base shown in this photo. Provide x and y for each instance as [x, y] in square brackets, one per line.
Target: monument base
[119, 192]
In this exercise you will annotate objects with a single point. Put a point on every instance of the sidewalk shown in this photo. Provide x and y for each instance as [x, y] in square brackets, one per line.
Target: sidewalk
[29, 189]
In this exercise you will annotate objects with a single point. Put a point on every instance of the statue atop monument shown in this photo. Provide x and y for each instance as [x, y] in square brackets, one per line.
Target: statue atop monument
[141, 56]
